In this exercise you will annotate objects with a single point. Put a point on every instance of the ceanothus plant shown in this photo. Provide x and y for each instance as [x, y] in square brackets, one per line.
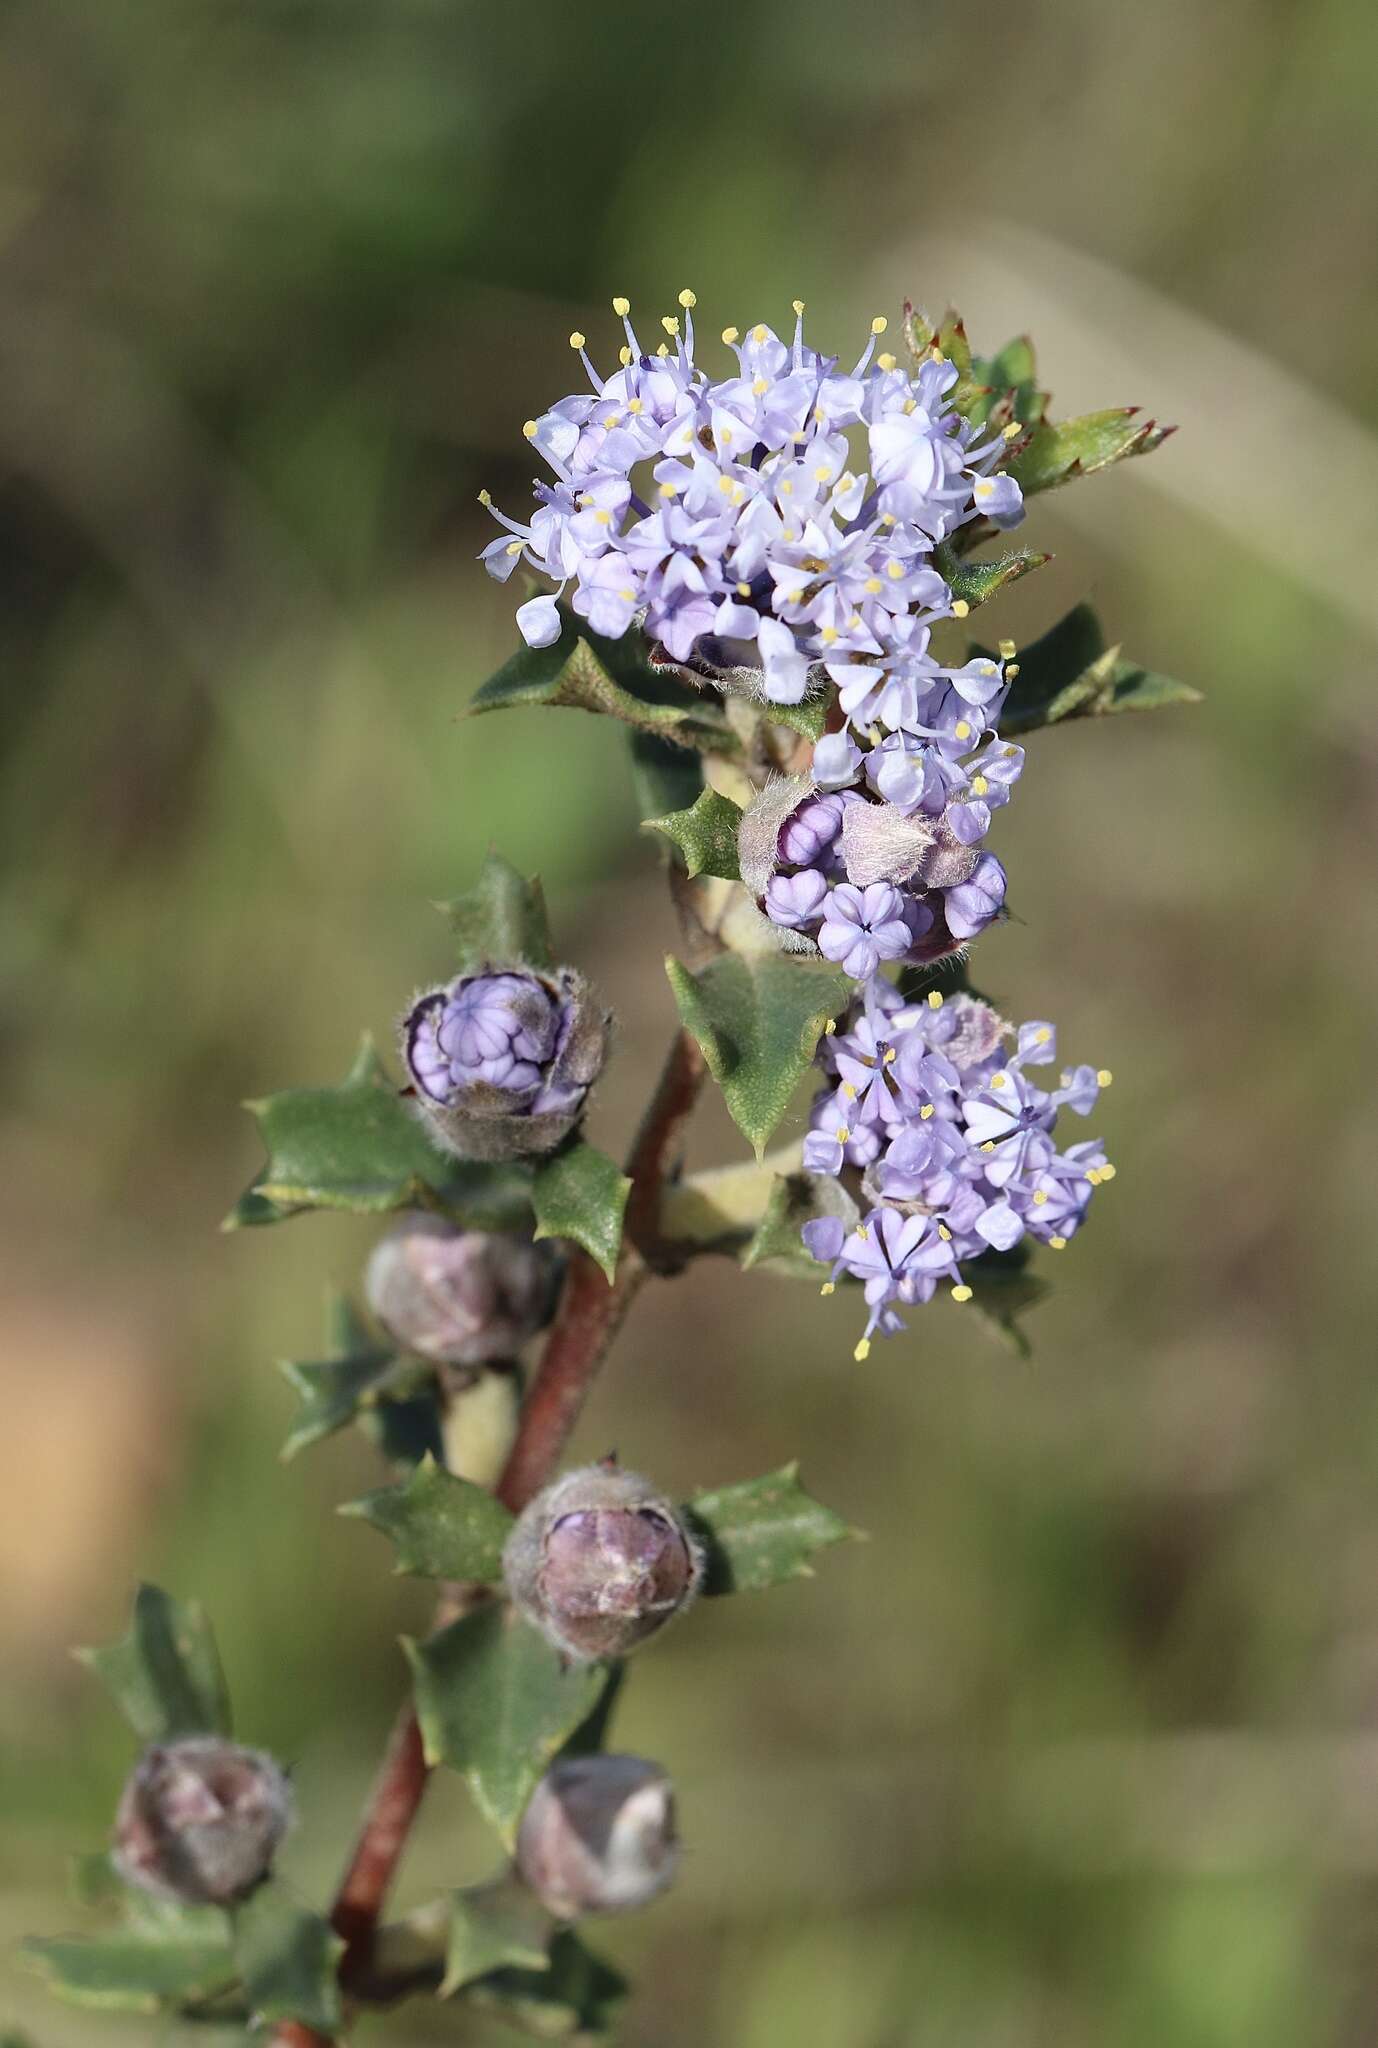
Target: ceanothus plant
[764, 576]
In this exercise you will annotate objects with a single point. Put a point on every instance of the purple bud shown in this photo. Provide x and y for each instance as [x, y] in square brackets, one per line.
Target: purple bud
[460, 1297]
[200, 1820]
[599, 1561]
[599, 1836]
[501, 1061]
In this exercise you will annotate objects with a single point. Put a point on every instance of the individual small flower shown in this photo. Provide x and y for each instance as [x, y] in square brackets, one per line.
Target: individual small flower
[837, 761]
[502, 1060]
[599, 1561]
[598, 1836]
[862, 927]
[460, 1297]
[796, 901]
[976, 902]
[200, 1820]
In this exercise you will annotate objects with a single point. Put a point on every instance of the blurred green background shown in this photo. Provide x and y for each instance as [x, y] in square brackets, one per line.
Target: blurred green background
[1082, 1748]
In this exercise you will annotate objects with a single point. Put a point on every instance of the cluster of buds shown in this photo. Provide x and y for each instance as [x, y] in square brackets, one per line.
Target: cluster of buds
[600, 1560]
[930, 1107]
[200, 1820]
[599, 1836]
[460, 1297]
[501, 1060]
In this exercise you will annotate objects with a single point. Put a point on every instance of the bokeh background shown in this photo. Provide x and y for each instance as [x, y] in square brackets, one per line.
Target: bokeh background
[1082, 1748]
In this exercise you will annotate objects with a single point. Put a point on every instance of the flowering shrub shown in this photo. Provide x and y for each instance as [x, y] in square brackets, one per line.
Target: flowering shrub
[764, 577]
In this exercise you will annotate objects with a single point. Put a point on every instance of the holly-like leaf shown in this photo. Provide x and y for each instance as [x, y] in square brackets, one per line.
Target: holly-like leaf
[1071, 673]
[973, 583]
[1058, 451]
[576, 1994]
[360, 1147]
[796, 1199]
[808, 717]
[496, 1702]
[165, 1674]
[582, 671]
[762, 1532]
[664, 777]
[444, 1527]
[581, 1194]
[334, 1389]
[493, 1927]
[758, 1019]
[502, 919]
[1002, 1288]
[288, 1958]
[149, 1967]
[706, 835]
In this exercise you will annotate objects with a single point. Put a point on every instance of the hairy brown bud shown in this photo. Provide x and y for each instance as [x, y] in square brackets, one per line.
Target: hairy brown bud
[200, 1820]
[601, 1560]
[599, 1836]
[460, 1297]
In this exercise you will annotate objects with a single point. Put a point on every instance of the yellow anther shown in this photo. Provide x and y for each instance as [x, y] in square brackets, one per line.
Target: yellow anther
[828, 1287]
[787, 488]
[842, 1134]
[849, 1091]
[989, 1145]
[979, 786]
[688, 298]
[823, 473]
[1105, 1077]
[926, 1112]
[514, 547]
[910, 405]
[854, 621]
[485, 497]
[1107, 1172]
[879, 324]
[889, 1054]
[863, 1351]
[743, 590]
[1012, 671]
[1013, 430]
[760, 387]
[1008, 650]
[982, 488]
[873, 586]
[944, 1233]
[960, 607]
[758, 334]
[828, 635]
[886, 361]
[577, 340]
[863, 1233]
[1057, 1244]
[729, 335]
[961, 1294]
[830, 1027]
[894, 570]
[887, 518]
[725, 485]
[669, 491]
[787, 533]
[664, 349]
[961, 730]
[670, 322]
[820, 417]
[627, 596]
[634, 406]
[614, 419]
[624, 356]
[1040, 1197]
[999, 1080]
[935, 1001]
[603, 518]
[622, 307]
[1093, 1175]
[529, 429]
[798, 305]
[935, 355]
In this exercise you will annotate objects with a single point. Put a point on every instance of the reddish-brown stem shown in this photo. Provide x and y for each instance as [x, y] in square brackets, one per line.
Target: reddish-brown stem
[589, 1316]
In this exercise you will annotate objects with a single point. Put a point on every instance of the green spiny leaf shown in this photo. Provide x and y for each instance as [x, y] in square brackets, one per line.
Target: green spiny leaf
[584, 672]
[976, 582]
[664, 777]
[576, 1995]
[360, 1147]
[706, 835]
[581, 1194]
[497, 1703]
[501, 919]
[758, 1019]
[333, 1389]
[762, 1532]
[165, 1674]
[493, 1927]
[288, 1958]
[808, 717]
[147, 1968]
[797, 1199]
[1070, 673]
[444, 1527]
[1002, 1288]
[1057, 451]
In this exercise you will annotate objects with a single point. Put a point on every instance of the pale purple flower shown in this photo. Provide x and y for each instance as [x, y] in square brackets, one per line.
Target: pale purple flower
[862, 927]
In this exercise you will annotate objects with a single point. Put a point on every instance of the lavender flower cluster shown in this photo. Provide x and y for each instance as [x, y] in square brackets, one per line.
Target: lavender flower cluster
[954, 1143]
[727, 516]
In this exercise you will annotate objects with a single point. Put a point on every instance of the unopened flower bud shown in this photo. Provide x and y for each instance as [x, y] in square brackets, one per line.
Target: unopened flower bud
[200, 1820]
[502, 1061]
[460, 1297]
[599, 1836]
[599, 1561]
